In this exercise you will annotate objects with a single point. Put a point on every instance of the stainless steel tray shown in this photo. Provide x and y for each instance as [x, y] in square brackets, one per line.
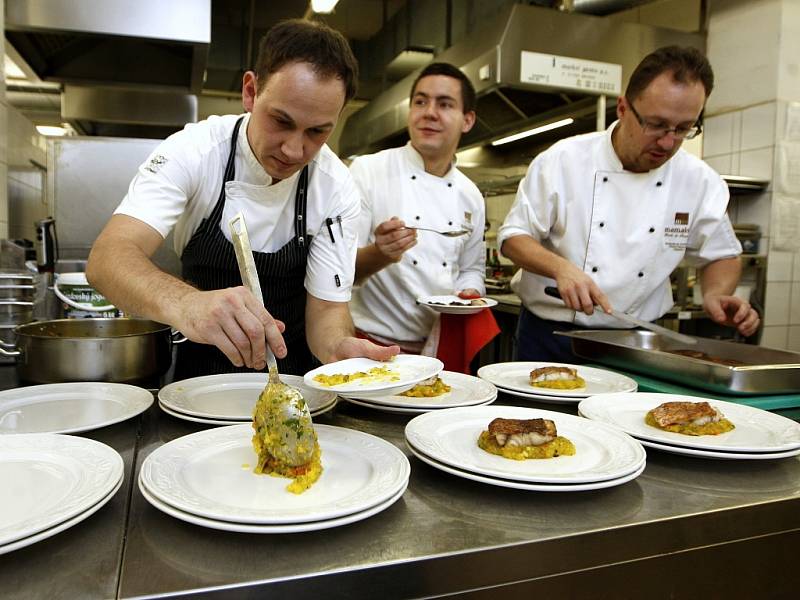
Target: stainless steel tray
[764, 370]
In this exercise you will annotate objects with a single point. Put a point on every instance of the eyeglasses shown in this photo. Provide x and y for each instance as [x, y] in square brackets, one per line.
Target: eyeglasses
[658, 130]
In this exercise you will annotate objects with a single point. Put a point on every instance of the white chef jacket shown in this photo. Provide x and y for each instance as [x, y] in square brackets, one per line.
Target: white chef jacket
[394, 183]
[627, 231]
[179, 185]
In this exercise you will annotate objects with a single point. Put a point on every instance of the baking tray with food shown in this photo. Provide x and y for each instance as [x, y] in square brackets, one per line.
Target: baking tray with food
[715, 365]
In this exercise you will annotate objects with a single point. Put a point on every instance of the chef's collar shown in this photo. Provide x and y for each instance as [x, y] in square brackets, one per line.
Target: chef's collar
[610, 155]
[254, 173]
[417, 162]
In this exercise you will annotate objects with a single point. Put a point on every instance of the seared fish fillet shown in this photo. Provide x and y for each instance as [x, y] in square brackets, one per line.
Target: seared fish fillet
[685, 413]
[553, 374]
[523, 432]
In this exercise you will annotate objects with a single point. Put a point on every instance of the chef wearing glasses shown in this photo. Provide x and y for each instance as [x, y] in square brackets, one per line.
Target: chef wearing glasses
[606, 217]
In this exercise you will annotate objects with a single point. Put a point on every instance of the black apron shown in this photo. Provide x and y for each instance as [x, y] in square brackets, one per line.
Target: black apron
[209, 263]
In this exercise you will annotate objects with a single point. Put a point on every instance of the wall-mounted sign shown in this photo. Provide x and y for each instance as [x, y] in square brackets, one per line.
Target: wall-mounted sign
[564, 72]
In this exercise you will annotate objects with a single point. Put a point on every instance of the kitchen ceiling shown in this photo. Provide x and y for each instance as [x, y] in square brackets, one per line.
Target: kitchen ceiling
[79, 75]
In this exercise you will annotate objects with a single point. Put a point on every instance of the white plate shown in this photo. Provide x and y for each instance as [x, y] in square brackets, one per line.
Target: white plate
[49, 478]
[756, 430]
[466, 390]
[451, 435]
[409, 370]
[210, 474]
[292, 528]
[205, 421]
[516, 376]
[542, 398]
[402, 411]
[720, 455]
[519, 485]
[442, 304]
[231, 396]
[70, 407]
[42, 535]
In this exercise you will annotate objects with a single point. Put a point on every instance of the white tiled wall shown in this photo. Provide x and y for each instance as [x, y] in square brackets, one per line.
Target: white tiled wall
[753, 46]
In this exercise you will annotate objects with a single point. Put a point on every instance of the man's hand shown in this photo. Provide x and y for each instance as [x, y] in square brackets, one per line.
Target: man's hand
[392, 239]
[733, 312]
[352, 347]
[234, 321]
[579, 291]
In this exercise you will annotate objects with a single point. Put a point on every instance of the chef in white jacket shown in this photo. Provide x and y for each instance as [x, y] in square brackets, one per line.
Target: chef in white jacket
[606, 217]
[418, 185]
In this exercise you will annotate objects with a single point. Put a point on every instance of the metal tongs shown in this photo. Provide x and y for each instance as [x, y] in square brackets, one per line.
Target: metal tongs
[678, 337]
[290, 434]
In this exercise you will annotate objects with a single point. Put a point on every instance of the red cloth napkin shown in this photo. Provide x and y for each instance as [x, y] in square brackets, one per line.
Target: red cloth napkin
[463, 336]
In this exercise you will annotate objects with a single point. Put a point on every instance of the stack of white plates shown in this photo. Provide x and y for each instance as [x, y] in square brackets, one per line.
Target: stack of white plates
[207, 478]
[465, 390]
[50, 483]
[229, 398]
[758, 434]
[70, 407]
[513, 378]
[448, 440]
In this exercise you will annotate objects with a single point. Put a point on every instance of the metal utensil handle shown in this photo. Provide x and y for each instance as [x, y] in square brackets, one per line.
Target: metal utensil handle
[247, 268]
[553, 291]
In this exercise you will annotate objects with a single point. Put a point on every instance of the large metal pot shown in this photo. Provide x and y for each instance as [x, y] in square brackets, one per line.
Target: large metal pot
[113, 350]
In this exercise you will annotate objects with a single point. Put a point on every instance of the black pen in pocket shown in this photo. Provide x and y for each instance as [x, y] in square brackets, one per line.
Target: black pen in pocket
[329, 222]
[339, 221]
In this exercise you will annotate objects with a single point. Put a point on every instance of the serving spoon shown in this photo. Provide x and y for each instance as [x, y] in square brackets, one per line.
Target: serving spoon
[452, 233]
[281, 412]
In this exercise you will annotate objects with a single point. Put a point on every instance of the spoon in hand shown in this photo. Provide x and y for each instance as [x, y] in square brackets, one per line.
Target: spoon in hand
[281, 417]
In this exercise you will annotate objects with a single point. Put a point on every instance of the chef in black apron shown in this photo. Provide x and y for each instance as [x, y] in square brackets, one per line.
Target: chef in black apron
[304, 75]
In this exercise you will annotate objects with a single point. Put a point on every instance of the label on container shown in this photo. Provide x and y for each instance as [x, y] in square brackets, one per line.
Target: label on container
[564, 72]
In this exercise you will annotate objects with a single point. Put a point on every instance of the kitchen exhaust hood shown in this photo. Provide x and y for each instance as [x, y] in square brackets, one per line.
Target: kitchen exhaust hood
[492, 58]
[146, 52]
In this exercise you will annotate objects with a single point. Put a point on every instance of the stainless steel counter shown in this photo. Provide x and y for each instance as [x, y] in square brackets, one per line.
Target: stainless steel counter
[736, 525]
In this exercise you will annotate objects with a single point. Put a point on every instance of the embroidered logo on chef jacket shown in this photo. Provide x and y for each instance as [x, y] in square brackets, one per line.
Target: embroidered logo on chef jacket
[676, 236]
[155, 163]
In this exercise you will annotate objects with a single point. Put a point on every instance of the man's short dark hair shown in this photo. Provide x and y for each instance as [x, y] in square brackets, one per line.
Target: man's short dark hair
[297, 40]
[686, 64]
[448, 70]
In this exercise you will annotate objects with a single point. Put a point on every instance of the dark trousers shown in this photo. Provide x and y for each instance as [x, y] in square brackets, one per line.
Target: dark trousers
[535, 340]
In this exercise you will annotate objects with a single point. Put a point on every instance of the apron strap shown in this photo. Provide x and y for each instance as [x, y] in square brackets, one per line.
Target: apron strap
[300, 204]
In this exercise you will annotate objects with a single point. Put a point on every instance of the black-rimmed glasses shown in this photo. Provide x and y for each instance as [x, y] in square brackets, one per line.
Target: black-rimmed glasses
[658, 130]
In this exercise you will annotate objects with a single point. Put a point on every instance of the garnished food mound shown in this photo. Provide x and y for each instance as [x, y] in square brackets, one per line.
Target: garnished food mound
[519, 439]
[689, 418]
[267, 436]
[374, 374]
[428, 388]
[557, 378]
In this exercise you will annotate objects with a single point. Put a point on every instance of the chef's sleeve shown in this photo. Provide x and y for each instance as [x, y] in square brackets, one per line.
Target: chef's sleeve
[472, 260]
[330, 270]
[535, 207]
[363, 182]
[162, 186]
[711, 236]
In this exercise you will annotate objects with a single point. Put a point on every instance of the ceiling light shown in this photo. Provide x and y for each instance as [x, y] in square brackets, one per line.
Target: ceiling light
[323, 6]
[534, 131]
[51, 130]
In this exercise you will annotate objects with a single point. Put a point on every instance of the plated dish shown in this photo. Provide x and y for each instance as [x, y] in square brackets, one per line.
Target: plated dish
[516, 377]
[70, 407]
[465, 390]
[363, 377]
[755, 430]
[455, 305]
[449, 436]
